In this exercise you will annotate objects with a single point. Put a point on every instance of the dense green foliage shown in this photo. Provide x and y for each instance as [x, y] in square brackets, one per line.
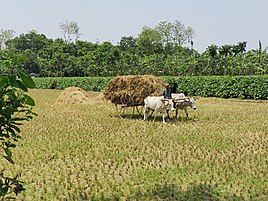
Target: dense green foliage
[86, 83]
[15, 108]
[244, 87]
[158, 51]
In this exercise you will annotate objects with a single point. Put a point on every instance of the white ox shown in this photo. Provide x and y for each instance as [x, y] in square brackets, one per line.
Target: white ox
[177, 97]
[182, 102]
[157, 104]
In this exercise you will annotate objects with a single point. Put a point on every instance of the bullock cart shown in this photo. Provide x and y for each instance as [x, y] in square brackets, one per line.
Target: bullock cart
[128, 108]
[127, 93]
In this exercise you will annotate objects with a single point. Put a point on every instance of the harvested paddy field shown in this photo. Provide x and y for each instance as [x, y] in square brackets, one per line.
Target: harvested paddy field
[87, 152]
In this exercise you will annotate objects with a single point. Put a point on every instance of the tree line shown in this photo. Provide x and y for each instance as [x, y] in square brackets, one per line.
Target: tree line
[166, 49]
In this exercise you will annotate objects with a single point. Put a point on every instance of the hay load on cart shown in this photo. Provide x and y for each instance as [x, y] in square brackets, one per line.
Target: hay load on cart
[131, 90]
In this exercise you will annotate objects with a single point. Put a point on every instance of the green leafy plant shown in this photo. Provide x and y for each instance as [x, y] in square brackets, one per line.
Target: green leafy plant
[15, 108]
[243, 87]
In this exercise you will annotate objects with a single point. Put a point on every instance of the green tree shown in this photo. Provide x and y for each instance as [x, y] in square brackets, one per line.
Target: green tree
[225, 50]
[256, 61]
[212, 50]
[5, 62]
[166, 30]
[83, 47]
[29, 41]
[149, 41]
[212, 67]
[34, 46]
[175, 33]
[127, 43]
[240, 48]
[106, 56]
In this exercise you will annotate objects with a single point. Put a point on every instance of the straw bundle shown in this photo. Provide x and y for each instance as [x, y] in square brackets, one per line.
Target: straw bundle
[73, 95]
[132, 89]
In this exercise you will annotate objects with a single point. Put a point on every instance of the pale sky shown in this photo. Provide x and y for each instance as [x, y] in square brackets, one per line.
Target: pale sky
[218, 22]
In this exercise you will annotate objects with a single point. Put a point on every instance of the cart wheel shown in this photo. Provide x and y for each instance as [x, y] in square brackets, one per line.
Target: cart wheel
[121, 110]
[140, 109]
[125, 110]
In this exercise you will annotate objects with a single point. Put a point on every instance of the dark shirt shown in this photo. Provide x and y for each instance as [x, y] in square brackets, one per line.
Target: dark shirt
[167, 93]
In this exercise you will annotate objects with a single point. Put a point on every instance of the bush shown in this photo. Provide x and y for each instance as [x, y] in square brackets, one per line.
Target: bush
[86, 83]
[15, 108]
[243, 87]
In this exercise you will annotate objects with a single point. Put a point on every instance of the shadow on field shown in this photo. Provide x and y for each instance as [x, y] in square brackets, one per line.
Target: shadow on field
[158, 118]
[129, 116]
[129, 113]
[174, 192]
[171, 192]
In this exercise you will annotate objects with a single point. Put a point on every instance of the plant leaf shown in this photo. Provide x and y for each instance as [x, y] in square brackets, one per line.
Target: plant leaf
[9, 159]
[12, 80]
[22, 86]
[29, 100]
[27, 80]
[3, 80]
[8, 152]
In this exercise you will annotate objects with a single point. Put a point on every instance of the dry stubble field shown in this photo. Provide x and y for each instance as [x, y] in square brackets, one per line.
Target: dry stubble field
[85, 152]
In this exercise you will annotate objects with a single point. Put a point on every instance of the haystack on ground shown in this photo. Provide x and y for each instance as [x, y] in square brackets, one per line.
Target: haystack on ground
[132, 89]
[73, 95]
[100, 97]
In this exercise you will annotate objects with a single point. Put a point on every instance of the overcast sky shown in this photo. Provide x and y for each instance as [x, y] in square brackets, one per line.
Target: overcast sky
[216, 22]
